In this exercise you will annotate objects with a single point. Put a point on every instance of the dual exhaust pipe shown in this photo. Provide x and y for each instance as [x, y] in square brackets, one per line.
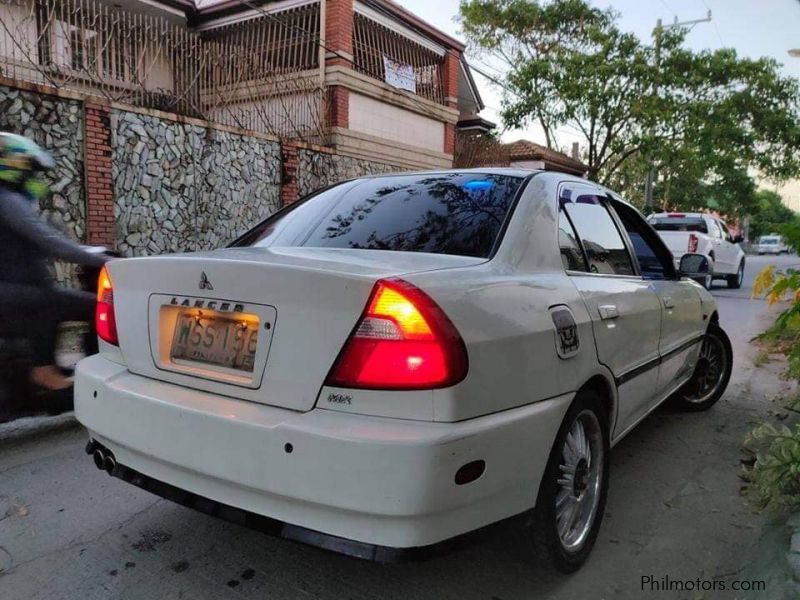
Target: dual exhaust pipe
[102, 456]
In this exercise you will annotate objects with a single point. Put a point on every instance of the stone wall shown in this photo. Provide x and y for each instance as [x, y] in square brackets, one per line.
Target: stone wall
[182, 187]
[177, 184]
[56, 124]
[318, 169]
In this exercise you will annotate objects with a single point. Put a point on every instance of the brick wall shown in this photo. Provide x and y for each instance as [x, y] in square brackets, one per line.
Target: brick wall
[338, 107]
[289, 153]
[97, 169]
[451, 76]
[339, 32]
[339, 53]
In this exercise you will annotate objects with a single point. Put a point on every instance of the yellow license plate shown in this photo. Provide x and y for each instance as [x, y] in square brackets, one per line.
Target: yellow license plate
[216, 339]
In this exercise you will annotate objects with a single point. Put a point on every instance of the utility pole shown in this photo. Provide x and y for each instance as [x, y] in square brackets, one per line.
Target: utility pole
[660, 27]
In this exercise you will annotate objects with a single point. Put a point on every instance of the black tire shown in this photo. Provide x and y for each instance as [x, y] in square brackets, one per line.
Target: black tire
[735, 281]
[693, 396]
[547, 541]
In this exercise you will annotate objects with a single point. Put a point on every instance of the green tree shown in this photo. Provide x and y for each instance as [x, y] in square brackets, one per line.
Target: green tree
[771, 215]
[705, 120]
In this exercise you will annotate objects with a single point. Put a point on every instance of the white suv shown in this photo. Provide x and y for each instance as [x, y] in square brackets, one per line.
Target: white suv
[707, 235]
[399, 360]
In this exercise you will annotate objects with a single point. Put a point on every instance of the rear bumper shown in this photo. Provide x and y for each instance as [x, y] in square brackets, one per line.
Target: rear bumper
[376, 481]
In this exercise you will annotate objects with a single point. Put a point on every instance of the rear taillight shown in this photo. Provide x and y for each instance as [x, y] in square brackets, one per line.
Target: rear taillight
[403, 341]
[105, 322]
[693, 242]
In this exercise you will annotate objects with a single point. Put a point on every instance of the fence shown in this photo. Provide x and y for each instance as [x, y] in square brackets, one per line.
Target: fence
[263, 75]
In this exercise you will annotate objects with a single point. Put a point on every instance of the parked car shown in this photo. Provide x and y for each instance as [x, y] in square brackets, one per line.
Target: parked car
[706, 235]
[771, 244]
[399, 360]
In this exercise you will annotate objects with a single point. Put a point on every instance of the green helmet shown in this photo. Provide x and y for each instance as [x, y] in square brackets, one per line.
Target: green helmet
[22, 165]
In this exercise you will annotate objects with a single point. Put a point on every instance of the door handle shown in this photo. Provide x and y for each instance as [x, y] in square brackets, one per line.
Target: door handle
[608, 311]
[669, 302]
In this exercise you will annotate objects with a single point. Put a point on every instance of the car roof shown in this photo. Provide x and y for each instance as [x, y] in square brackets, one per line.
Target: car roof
[688, 215]
[509, 171]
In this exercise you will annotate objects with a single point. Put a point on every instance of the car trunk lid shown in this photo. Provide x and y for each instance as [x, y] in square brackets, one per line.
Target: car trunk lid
[303, 303]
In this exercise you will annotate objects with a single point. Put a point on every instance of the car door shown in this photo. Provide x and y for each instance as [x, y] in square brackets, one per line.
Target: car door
[721, 255]
[625, 311]
[682, 320]
[730, 248]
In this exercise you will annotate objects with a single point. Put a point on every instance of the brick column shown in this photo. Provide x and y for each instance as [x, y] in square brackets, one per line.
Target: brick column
[338, 106]
[291, 160]
[339, 32]
[338, 53]
[450, 78]
[97, 168]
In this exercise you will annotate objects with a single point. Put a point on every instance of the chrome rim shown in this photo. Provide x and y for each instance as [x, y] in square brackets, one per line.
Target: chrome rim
[709, 372]
[580, 477]
[741, 274]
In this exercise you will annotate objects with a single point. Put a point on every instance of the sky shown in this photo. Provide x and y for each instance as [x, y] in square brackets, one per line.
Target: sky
[754, 28]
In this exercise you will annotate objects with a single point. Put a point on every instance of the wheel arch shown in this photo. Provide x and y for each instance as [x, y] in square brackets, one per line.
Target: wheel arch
[603, 386]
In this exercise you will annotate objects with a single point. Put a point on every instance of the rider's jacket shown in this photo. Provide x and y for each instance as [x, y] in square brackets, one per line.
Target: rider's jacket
[26, 242]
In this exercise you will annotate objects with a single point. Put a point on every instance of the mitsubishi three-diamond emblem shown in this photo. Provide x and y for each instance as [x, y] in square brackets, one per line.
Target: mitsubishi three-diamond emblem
[205, 284]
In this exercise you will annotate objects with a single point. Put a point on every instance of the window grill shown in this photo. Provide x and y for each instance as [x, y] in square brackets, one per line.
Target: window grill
[391, 57]
[262, 74]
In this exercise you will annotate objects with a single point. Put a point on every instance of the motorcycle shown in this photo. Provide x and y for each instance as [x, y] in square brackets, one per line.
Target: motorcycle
[18, 398]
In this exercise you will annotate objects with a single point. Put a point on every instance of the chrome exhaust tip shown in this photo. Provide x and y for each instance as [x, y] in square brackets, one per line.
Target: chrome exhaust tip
[99, 458]
[109, 464]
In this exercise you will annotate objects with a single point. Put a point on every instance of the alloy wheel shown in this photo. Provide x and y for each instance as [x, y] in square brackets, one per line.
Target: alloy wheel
[709, 372]
[580, 476]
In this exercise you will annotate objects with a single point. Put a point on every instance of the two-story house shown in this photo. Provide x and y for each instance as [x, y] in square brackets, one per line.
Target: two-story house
[366, 77]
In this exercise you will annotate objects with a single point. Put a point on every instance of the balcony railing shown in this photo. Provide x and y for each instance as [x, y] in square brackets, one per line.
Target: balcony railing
[391, 57]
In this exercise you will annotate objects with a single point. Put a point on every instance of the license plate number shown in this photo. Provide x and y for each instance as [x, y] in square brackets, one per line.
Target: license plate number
[216, 340]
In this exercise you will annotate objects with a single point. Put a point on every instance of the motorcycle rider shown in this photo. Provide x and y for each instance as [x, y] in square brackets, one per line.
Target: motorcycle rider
[31, 306]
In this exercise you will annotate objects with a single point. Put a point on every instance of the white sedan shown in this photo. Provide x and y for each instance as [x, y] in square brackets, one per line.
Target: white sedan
[399, 360]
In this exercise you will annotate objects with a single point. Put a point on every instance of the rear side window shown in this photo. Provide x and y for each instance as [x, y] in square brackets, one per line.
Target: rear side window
[571, 253]
[440, 213]
[697, 224]
[598, 233]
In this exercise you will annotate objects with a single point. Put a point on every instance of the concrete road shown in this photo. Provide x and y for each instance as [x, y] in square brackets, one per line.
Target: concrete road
[674, 510]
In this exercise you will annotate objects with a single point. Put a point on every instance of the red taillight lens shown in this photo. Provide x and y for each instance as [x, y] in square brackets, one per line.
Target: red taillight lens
[403, 341]
[693, 242]
[105, 322]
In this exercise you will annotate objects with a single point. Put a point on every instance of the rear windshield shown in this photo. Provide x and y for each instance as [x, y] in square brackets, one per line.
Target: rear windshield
[679, 224]
[768, 241]
[441, 213]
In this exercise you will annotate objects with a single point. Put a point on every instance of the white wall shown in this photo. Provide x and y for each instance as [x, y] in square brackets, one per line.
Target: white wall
[395, 124]
[528, 164]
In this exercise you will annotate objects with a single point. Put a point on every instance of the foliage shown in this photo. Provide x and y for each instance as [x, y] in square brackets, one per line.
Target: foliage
[772, 216]
[705, 120]
[775, 475]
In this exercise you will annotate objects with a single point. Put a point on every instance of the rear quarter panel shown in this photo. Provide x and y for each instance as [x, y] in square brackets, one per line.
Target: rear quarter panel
[502, 310]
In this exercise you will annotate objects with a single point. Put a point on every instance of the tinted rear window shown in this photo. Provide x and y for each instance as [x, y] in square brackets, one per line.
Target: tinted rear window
[441, 213]
[679, 224]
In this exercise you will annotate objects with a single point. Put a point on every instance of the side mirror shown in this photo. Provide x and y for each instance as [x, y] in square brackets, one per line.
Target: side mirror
[695, 266]
[738, 239]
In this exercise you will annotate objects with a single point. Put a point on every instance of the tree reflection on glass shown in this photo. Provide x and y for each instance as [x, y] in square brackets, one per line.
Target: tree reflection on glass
[451, 213]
